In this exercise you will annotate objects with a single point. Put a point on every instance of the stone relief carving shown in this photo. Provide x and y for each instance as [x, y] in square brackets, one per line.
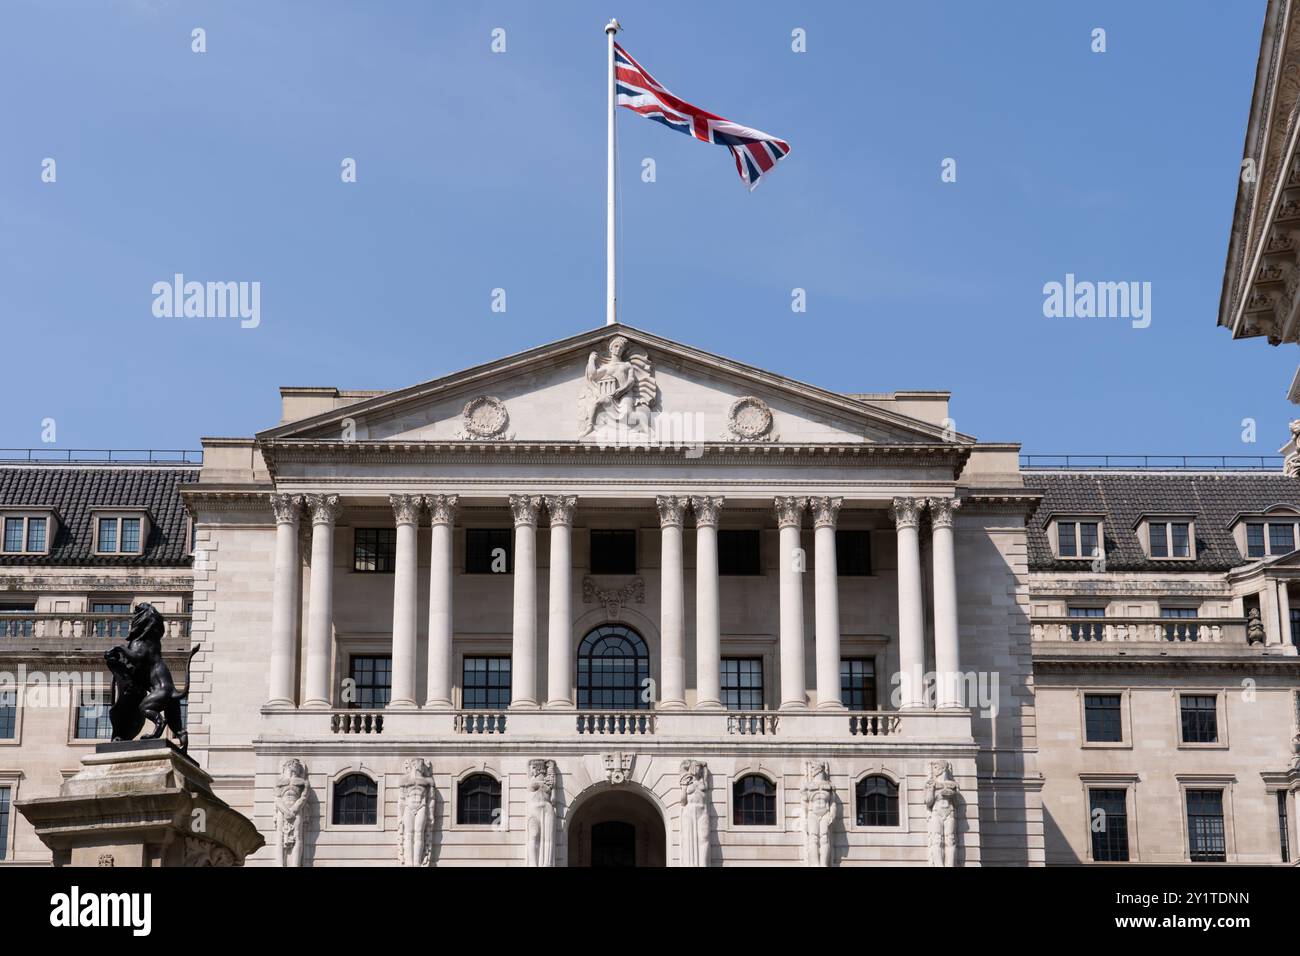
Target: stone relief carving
[750, 419]
[406, 508]
[543, 777]
[1254, 627]
[941, 796]
[907, 512]
[201, 852]
[484, 418]
[619, 392]
[695, 822]
[291, 795]
[613, 598]
[415, 816]
[789, 511]
[618, 767]
[1291, 463]
[819, 812]
[442, 508]
[106, 859]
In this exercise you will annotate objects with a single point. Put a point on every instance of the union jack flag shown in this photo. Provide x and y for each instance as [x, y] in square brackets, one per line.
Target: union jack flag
[755, 152]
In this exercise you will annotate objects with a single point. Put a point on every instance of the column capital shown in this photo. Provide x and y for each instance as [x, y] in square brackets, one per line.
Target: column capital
[406, 508]
[524, 509]
[287, 508]
[707, 508]
[942, 511]
[789, 511]
[442, 508]
[560, 508]
[907, 511]
[324, 509]
[672, 510]
[825, 510]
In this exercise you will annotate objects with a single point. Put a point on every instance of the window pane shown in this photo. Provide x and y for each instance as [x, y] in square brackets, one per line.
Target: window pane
[853, 553]
[1087, 630]
[6, 799]
[858, 683]
[8, 714]
[742, 683]
[356, 801]
[489, 551]
[1109, 824]
[1181, 534]
[374, 550]
[130, 536]
[1101, 718]
[1065, 539]
[877, 802]
[1179, 632]
[372, 681]
[1255, 540]
[1281, 538]
[1200, 718]
[478, 800]
[754, 802]
[36, 535]
[1205, 826]
[13, 535]
[738, 552]
[1283, 828]
[107, 535]
[1159, 540]
[1089, 544]
[92, 716]
[613, 551]
[613, 666]
[114, 629]
[485, 683]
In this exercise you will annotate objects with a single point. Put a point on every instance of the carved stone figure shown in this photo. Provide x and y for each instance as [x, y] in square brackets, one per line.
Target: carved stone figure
[200, 852]
[1254, 627]
[415, 817]
[542, 781]
[941, 796]
[696, 824]
[1291, 463]
[291, 795]
[819, 812]
[619, 391]
[142, 683]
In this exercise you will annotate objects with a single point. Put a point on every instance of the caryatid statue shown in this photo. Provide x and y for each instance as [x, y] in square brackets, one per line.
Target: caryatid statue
[819, 811]
[415, 821]
[291, 795]
[542, 781]
[695, 823]
[941, 796]
[619, 391]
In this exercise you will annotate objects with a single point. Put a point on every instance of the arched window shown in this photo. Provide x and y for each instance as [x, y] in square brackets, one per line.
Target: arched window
[478, 799]
[877, 802]
[753, 800]
[356, 801]
[613, 666]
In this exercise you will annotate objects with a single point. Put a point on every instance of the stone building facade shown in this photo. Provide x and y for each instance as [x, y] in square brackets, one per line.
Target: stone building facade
[615, 600]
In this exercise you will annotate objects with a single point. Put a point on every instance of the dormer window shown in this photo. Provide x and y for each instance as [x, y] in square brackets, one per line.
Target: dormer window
[1268, 535]
[120, 532]
[27, 533]
[1079, 538]
[1168, 536]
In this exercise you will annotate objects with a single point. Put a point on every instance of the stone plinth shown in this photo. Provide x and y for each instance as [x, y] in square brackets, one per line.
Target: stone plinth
[140, 803]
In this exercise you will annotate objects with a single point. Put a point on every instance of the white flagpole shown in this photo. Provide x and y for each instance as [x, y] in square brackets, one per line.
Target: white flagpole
[611, 297]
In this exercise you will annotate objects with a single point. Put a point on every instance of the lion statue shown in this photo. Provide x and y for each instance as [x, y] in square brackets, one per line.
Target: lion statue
[142, 683]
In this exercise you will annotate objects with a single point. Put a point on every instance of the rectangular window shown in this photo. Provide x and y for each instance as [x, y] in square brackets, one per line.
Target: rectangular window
[1200, 718]
[738, 552]
[1254, 541]
[1281, 538]
[1102, 721]
[1089, 541]
[853, 553]
[742, 683]
[613, 551]
[114, 629]
[130, 536]
[8, 714]
[1067, 546]
[485, 683]
[12, 621]
[36, 535]
[489, 551]
[13, 535]
[1283, 828]
[858, 683]
[374, 550]
[1180, 533]
[1205, 836]
[6, 799]
[107, 536]
[1295, 624]
[1157, 537]
[1179, 632]
[1087, 630]
[92, 716]
[1109, 823]
[372, 681]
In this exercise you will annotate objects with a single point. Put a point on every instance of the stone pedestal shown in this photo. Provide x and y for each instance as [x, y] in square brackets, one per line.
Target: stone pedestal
[140, 803]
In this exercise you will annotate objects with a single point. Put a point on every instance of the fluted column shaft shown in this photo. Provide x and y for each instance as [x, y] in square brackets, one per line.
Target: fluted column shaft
[825, 511]
[708, 619]
[559, 637]
[284, 601]
[406, 514]
[672, 612]
[523, 663]
[324, 511]
[442, 520]
[911, 619]
[947, 651]
[789, 518]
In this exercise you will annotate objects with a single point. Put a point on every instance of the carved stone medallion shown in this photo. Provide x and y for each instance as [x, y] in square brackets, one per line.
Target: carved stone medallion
[484, 419]
[749, 419]
[618, 766]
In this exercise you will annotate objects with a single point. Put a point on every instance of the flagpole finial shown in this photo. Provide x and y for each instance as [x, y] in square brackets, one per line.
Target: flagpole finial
[613, 26]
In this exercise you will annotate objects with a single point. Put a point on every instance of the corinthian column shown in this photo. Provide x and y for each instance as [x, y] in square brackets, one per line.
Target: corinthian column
[825, 510]
[911, 621]
[559, 639]
[284, 601]
[523, 663]
[708, 623]
[947, 655]
[672, 614]
[442, 519]
[406, 513]
[789, 518]
[324, 511]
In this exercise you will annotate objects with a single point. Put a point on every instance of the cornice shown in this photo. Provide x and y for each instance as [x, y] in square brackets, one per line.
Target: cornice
[1066, 664]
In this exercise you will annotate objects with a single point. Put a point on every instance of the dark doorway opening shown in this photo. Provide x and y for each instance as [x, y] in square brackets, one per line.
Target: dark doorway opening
[613, 843]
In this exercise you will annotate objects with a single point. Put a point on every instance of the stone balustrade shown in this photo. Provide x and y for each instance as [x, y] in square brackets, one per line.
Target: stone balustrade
[1153, 630]
[72, 626]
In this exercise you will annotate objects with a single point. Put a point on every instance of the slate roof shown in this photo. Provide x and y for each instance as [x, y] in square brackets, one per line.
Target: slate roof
[73, 492]
[1215, 499]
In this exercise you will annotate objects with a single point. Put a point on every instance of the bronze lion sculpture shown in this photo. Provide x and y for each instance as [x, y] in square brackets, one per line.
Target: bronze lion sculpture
[142, 683]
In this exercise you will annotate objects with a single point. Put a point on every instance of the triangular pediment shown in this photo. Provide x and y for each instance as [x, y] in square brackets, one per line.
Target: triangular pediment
[616, 385]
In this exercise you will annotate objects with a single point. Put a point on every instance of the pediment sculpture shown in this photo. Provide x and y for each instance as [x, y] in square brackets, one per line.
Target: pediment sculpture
[619, 393]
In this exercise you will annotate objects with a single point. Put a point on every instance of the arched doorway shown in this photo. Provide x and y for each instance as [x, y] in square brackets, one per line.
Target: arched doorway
[613, 826]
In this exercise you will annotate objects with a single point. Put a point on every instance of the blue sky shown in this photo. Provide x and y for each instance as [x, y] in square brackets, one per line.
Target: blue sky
[479, 170]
